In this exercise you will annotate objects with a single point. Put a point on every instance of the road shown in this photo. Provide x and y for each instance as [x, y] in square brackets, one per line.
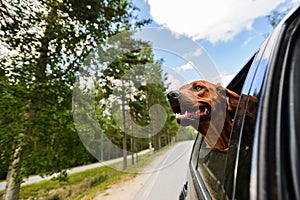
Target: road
[168, 174]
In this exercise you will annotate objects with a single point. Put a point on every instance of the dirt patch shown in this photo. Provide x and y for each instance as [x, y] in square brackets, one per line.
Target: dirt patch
[124, 190]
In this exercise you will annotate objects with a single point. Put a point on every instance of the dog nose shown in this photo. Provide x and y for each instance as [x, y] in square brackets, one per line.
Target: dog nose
[173, 95]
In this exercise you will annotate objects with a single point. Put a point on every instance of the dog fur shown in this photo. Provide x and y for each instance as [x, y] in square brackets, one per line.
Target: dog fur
[207, 107]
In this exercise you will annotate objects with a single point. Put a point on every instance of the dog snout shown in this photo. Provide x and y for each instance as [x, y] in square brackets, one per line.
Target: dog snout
[173, 95]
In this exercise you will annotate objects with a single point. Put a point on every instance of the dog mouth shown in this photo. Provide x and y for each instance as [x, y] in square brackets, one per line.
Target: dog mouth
[188, 116]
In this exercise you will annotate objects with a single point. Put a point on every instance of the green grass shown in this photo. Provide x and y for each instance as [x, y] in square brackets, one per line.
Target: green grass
[86, 184]
[74, 186]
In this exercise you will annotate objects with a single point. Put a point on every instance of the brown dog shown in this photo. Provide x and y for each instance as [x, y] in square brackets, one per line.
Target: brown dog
[207, 107]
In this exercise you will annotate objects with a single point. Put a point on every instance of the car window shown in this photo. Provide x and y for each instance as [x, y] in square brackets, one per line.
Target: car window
[250, 103]
[195, 152]
[227, 173]
[212, 163]
[212, 173]
[217, 167]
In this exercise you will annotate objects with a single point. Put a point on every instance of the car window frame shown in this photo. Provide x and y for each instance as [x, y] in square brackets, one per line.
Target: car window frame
[236, 85]
[255, 85]
[239, 121]
[198, 182]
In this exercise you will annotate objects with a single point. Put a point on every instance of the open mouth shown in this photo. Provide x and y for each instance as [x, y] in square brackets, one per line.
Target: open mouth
[200, 113]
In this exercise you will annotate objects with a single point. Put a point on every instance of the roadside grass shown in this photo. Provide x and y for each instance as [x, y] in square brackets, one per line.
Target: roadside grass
[74, 185]
[87, 184]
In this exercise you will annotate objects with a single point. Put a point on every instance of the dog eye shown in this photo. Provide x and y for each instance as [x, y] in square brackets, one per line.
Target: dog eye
[198, 87]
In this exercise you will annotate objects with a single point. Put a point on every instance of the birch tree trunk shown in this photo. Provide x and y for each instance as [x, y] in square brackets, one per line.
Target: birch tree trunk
[14, 176]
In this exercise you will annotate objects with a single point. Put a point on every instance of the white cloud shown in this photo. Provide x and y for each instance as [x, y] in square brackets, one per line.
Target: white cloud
[174, 82]
[188, 66]
[213, 20]
[226, 79]
[195, 53]
[175, 34]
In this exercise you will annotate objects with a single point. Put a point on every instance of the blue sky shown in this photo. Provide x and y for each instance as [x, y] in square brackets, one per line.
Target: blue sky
[199, 38]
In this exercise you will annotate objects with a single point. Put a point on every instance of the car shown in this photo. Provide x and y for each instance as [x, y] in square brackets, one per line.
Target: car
[263, 160]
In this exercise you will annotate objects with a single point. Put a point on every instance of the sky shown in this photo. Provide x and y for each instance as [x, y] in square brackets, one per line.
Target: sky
[206, 39]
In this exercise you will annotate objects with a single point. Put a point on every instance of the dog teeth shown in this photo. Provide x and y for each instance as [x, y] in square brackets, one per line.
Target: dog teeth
[193, 115]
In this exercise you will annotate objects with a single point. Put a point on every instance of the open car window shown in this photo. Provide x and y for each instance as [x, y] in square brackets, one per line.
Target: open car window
[212, 162]
[225, 171]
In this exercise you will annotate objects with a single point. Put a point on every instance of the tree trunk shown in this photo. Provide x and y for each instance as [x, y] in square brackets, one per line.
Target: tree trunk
[131, 143]
[124, 130]
[14, 176]
[159, 142]
[132, 149]
[124, 151]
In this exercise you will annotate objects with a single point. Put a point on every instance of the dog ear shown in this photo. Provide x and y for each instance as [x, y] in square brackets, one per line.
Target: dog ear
[232, 100]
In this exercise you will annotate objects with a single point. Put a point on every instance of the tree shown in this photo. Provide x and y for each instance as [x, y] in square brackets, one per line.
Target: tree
[131, 83]
[45, 43]
[126, 53]
[155, 93]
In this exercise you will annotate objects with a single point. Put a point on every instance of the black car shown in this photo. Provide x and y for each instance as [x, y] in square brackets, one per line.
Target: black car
[266, 164]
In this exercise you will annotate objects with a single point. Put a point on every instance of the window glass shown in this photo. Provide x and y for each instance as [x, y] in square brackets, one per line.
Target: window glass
[213, 164]
[195, 153]
[250, 99]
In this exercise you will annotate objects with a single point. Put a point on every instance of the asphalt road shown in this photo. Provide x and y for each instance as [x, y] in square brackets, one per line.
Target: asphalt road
[168, 173]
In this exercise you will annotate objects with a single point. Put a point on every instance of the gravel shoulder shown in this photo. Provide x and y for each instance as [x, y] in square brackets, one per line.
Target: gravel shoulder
[124, 190]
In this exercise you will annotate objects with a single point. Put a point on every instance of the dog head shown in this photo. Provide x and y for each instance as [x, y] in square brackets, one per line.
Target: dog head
[205, 106]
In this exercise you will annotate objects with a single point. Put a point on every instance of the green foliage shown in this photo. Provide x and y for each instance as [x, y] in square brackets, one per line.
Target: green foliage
[44, 43]
[186, 133]
[132, 76]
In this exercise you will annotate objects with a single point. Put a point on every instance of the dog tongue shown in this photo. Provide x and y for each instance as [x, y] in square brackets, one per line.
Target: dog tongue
[193, 115]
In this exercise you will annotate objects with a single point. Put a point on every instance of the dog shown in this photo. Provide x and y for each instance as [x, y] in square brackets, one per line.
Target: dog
[208, 108]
